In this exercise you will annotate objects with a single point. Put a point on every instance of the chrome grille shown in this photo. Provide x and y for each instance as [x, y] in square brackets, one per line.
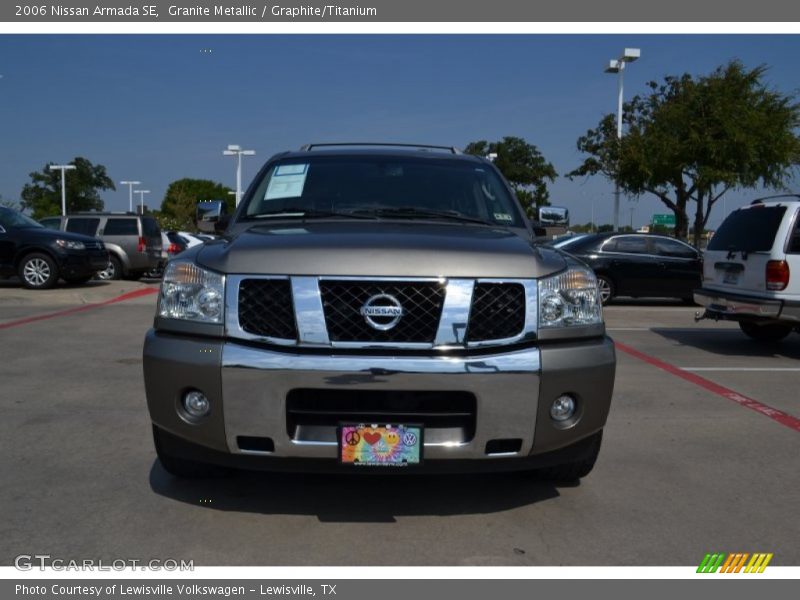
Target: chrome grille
[497, 312]
[421, 302]
[265, 308]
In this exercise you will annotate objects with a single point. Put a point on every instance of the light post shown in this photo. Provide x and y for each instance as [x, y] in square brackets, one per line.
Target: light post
[130, 185]
[235, 150]
[618, 66]
[63, 169]
[141, 197]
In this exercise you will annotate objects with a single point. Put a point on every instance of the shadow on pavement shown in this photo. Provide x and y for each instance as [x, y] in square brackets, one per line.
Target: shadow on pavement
[362, 498]
[727, 342]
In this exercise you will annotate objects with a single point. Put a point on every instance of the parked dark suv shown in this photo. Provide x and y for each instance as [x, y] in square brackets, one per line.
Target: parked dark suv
[133, 241]
[40, 256]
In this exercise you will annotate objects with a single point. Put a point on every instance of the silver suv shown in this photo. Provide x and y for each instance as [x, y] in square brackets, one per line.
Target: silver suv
[133, 241]
[378, 308]
[748, 269]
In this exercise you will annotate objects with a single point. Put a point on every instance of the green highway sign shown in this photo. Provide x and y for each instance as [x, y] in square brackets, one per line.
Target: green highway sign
[664, 220]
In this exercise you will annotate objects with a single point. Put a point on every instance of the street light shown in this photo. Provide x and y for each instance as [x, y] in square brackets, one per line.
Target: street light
[141, 197]
[235, 150]
[618, 66]
[63, 169]
[130, 185]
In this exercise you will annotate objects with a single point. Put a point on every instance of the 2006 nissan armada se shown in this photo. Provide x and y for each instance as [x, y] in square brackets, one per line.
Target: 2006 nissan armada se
[373, 308]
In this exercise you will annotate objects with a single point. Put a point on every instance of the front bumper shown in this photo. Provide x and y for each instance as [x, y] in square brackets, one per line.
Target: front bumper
[735, 307]
[248, 388]
[83, 263]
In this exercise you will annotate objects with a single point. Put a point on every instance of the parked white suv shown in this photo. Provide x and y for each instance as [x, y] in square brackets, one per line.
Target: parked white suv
[748, 267]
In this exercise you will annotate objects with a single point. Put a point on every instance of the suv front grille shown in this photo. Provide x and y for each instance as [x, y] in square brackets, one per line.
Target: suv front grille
[266, 308]
[497, 312]
[421, 301]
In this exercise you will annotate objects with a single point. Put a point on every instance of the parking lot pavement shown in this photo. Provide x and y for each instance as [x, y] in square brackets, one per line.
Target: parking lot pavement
[683, 470]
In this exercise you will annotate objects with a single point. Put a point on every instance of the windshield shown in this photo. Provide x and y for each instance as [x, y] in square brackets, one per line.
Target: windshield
[749, 229]
[395, 187]
[11, 219]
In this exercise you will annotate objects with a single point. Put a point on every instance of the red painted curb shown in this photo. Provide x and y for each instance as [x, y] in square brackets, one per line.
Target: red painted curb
[773, 413]
[70, 311]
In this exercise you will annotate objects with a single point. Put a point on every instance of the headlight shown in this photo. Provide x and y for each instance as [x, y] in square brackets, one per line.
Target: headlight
[71, 245]
[569, 299]
[190, 292]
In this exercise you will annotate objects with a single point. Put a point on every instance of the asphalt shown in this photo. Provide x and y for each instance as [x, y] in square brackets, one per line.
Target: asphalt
[684, 470]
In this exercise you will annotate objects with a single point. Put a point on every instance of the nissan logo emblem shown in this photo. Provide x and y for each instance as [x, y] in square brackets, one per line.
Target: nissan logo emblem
[382, 312]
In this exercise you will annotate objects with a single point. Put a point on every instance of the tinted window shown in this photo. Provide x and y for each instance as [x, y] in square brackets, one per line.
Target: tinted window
[83, 225]
[371, 184]
[54, 223]
[794, 243]
[151, 228]
[749, 229]
[121, 227]
[672, 248]
[629, 244]
[12, 219]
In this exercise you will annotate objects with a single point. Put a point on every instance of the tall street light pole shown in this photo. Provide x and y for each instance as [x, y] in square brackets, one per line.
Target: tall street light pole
[141, 197]
[618, 66]
[63, 169]
[235, 150]
[130, 185]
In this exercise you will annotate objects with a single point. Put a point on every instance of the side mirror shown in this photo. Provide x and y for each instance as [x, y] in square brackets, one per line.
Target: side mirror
[209, 213]
[221, 224]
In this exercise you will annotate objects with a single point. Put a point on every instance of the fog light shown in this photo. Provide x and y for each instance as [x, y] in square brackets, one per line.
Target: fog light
[563, 408]
[196, 404]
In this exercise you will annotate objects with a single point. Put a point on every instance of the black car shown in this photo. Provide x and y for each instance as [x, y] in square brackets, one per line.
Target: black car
[638, 264]
[40, 256]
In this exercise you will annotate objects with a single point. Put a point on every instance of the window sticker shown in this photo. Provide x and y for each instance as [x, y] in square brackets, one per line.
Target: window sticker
[503, 217]
[287, 181]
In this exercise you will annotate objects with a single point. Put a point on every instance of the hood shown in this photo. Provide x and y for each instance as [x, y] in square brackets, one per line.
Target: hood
[380, 248]
[44, 233]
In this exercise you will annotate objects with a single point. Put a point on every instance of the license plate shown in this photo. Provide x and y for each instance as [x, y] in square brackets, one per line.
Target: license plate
[380, 445]
[731, 277]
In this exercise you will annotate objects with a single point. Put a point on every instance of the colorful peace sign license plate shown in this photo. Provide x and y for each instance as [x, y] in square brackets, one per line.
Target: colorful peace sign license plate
[380, 445]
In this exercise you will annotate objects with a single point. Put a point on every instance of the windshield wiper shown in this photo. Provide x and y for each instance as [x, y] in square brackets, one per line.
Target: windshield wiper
[310, 213]
[411, 212]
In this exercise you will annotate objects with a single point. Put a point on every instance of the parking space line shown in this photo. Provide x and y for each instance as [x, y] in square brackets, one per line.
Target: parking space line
[773, 413]
[71, 311]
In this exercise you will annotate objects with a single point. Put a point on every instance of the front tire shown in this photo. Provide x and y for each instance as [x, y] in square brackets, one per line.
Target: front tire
[572, 471]
[606, 289]
[112, 271]
[38, 271]
[771, 332]
[180, 467]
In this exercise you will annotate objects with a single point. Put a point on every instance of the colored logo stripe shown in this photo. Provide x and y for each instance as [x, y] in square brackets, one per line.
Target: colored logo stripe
[734, 562]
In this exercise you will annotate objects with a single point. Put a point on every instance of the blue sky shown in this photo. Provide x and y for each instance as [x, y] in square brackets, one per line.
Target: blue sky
[161, 107]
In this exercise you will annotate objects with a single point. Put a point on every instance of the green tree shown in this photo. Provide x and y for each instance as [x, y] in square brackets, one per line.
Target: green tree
[523, 166]
[691, 139]
[83, 186]
[180, 201]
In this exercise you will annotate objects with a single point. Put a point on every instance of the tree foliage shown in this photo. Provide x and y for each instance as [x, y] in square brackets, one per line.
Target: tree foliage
[523, 166]
[692, 139]
[83, 186]
[180, 201]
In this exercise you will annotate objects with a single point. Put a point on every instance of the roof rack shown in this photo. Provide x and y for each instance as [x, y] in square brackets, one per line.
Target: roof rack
[761, 200]
[452, 149]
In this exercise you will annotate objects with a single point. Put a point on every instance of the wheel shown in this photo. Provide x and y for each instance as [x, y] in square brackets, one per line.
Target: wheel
[573, 471]
[181, 467]
[112, 271]
[606, 287]
[38, 271]
[771, 332]
[78, 280]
